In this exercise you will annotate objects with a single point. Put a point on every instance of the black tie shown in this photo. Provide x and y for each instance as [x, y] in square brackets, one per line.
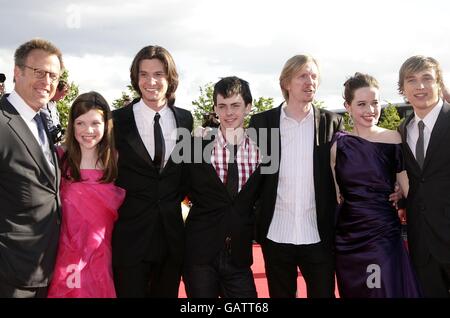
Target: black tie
[41, 129]
[158, 159]
[420, 147]
[233, 174]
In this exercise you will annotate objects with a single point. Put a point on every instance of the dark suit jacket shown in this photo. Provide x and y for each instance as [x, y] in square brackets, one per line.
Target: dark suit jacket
[215, 215]
[29, 204]
[428, 202]
[151, 213]
[325, 124]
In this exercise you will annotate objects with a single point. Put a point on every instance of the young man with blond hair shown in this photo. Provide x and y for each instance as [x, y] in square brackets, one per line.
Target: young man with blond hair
[425, 136]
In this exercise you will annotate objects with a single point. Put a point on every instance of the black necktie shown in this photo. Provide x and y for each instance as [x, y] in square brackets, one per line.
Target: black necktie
[233, 174]
[41, 130]
[158, 159]
[420, 147]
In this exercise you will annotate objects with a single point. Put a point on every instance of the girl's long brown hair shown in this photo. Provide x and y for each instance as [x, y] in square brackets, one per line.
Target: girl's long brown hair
[106, 152]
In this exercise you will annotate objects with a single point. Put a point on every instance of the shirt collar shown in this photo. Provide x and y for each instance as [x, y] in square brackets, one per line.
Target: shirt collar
[285, 116]
[222, 143]
[25, 111]
[430, 119]
[150, 112]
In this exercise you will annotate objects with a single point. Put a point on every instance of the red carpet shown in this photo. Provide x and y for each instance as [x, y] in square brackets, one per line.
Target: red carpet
[260, 277]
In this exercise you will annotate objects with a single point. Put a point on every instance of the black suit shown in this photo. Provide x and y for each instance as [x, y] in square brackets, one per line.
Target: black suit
[29, 205]
[214, 217]
[428, 206]
[325, 125]
[150, 227]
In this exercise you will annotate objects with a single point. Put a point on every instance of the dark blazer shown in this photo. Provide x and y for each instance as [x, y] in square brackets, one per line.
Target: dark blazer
[428, 202]
[215, 215]
[325, 124]
[29, 204]
[151, 212]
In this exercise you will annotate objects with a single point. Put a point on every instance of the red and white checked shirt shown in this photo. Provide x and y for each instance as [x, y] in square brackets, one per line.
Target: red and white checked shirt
[247, 158]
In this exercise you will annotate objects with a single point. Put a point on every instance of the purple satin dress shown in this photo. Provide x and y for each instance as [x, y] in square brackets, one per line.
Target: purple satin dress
[371, 257]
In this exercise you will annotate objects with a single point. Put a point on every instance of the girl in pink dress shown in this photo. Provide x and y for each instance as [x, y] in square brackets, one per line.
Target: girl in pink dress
[90, 201]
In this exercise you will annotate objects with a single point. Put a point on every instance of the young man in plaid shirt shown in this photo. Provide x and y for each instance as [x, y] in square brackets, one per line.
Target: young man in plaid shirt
[223, 188]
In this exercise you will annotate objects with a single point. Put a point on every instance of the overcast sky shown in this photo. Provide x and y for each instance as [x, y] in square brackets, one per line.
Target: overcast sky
[251, 39]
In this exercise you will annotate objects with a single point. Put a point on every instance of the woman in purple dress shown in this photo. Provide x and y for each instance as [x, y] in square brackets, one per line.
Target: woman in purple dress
[371, 258]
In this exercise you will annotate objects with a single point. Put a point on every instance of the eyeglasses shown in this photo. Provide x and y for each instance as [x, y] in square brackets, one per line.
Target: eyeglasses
[40, 74]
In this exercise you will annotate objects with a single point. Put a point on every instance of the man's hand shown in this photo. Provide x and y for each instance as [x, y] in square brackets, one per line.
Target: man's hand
[201, 131]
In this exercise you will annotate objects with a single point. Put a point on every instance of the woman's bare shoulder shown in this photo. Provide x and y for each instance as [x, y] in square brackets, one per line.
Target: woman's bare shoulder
[389, 136]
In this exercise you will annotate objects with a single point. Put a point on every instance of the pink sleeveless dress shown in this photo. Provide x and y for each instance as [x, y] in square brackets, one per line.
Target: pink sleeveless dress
[84, 261]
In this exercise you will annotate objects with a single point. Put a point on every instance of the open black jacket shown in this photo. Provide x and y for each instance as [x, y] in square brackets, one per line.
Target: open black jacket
[151, 211]
[428, 202]
[215, 215]
[326, 124]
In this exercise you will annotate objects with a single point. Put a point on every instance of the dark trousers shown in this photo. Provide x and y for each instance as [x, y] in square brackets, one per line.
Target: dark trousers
[434, 278]
[282, 262]
[148, 280]
[10, 291]
[220, 278]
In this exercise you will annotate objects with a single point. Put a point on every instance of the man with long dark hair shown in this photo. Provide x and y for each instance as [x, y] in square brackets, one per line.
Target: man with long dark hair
[148, 238]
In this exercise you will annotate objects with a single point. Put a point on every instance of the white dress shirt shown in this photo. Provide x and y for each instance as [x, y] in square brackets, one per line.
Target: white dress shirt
[412, 129]
[27, 114]
[144, 117]
[295, 218]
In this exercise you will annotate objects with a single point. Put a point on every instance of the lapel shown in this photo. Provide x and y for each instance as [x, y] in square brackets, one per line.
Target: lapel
[437, 135]
[23, 133]
[274, 122]
[207, 165]
[316, 113]
[132, 136]
[408, 154]
[316, 166]
[404, 132]
[180, 122]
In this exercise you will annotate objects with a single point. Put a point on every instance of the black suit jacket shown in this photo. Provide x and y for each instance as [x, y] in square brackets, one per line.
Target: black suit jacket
[428, 202]
[151, 212]
[325, 124]
[29, 204]
[215, 215]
